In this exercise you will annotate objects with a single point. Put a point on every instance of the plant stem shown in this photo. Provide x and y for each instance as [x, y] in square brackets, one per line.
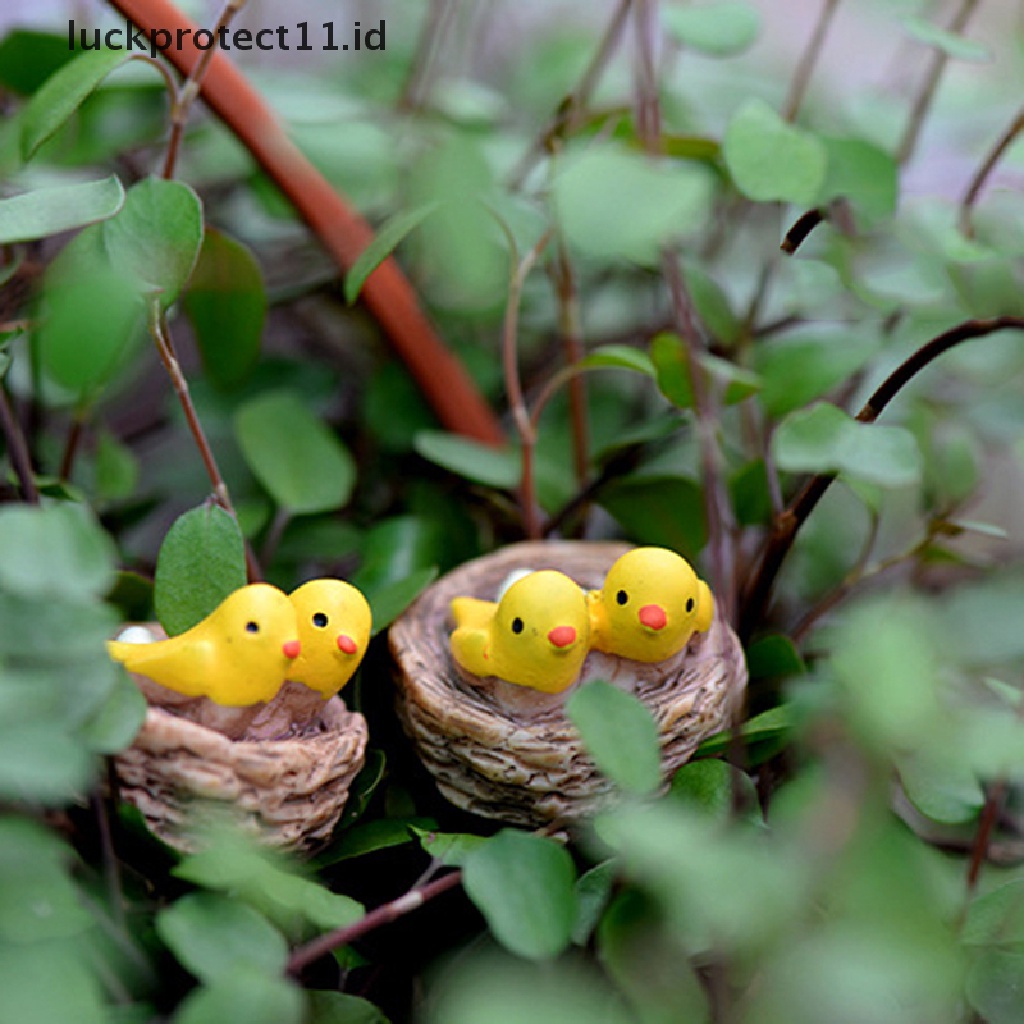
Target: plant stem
[716, 501]
[570, 327]
[923, 100]
[569, 112]
[797, 234]
[412, 900]
[981, 175]
[436, 26]
[282, 517]
[986, 822]
[190, 90]
[788, 523]
[647, 105]
[17, 449]
[342, 231]
[71, 445]
[808, 60]
[514, 389]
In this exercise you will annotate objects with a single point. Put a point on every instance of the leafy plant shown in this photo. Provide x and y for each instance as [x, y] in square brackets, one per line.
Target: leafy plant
[723, 292]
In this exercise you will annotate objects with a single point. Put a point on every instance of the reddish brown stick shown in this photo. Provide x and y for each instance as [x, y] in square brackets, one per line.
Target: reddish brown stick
[341, 230]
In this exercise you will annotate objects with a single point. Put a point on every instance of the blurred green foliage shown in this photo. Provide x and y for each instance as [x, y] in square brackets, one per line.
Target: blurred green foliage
[852, 851]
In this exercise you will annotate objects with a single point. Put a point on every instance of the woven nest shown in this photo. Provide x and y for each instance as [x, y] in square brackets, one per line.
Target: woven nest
[290, 791]
[508, 752]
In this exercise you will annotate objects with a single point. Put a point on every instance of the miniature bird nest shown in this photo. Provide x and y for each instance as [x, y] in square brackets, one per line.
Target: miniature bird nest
[290, 791]
[508, 752]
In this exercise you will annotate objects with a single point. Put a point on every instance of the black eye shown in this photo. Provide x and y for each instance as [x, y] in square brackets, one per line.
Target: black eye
[319, 620]
[689, 604]
[517, 625]
[252, 627]
[622, 597]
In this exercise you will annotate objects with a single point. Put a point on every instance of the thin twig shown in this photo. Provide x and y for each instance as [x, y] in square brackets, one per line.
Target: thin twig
[71, 444]
[111, 868]
[190, 90]
[787, 525]
[647, 113]
[797, 234]
[926, 95]
[716, 501]
[570, 110]
[571, 330]
[981, 175]
[436, 26]
[979, 848]
[17, 450]
[808, 60]
[514, 389]
[282, 517]
[412, 900]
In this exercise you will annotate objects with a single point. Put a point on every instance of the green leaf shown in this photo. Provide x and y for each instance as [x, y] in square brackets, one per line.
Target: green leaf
[618, 357]
[665, 511]
[774, 657]
[384, 242]
[996, 918]
[388, 601]
[49, 211]
[379, 834]
[620, 734]
[157, 236]
[864, 174]
[245, 995]
[707, 786]
[593, 891]
[615, 204]
[341, 1008]
[211, 935]
[62, 94]
[523, 885]
[114, 725]
[950, 43]
[48, 982]
[227, 305]
[28, 58]
[513, 992]
[798, 368]
[772, 726]
[293, 454]
[449, 847]
[39, 764]
[824, 439]
[711, 304]
[117, 469]
[668, 353]
[201, 562]
[721, 29]
[481, 463]
[941, 787]
[54, 550]
[772, 160]
[90, 321]
[994, 984]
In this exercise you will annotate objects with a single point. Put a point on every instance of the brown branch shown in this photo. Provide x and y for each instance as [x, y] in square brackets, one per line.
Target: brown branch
[569, 113]
[436, 26]
[797, 234]
[979, 848]
[412, 900]
[571, 329]
[71, 445]
[514, 389]
[923, 100]
[787, 525]
[981, 175]
[341, 230]
[808, 60]
[190, 90]
[17, 449]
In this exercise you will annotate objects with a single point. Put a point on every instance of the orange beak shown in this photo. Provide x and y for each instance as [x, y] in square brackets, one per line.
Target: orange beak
[291, 648]
[562, 636]
[346, 644]
[653, 616]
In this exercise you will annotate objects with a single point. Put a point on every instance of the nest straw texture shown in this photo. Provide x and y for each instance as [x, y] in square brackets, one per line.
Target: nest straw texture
[506, 752]
[290, 791]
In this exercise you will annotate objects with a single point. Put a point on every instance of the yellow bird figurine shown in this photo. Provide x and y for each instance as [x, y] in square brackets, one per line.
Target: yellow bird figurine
[334, 626]
[651, 603]
[240, 654]
[537, 635]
